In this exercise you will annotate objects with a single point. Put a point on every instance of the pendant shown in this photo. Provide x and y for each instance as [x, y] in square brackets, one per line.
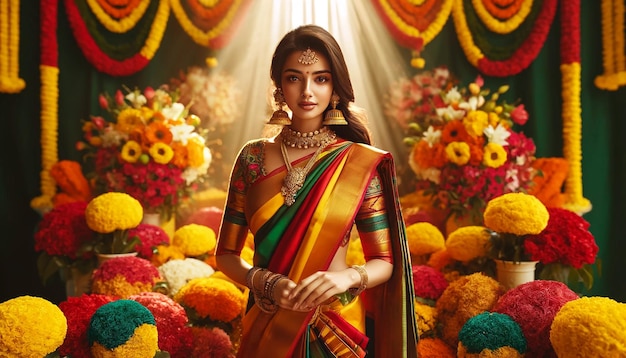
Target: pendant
[292, 184]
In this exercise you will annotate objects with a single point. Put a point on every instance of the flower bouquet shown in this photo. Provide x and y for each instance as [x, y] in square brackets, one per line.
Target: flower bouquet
[150, 149]
[565, 248]
[464, 150]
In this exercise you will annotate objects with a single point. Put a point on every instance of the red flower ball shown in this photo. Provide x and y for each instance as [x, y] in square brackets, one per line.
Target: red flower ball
[150, 236]
[78, 312]
[62, 230]
[533, 306]
[428, 282]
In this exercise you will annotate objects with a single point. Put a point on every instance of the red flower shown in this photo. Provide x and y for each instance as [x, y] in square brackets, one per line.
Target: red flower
[519, 115]
[566, 240]
[150, 236]
[78, 312]
[62, 230]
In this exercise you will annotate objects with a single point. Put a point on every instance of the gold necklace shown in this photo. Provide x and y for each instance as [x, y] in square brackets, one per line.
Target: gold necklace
[317, 138]
[295, 176]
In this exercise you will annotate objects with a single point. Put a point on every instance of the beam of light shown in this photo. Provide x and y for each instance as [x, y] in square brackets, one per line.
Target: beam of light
[372, 56]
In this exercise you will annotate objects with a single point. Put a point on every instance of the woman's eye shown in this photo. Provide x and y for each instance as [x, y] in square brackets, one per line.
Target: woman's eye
[292, 78]
[323, 79]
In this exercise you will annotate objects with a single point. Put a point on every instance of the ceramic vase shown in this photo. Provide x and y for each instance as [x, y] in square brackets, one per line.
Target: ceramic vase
[155, 219]
[102, 258]
[512, 274]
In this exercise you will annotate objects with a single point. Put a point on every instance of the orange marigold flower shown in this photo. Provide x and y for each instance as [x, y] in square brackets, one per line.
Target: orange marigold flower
[454, 131]
[195, 152]
[180, 155]
[157, 131]
[214, 298]
[128, 119]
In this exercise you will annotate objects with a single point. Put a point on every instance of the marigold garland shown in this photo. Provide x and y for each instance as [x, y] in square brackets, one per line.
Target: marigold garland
[127, 20]
[613, 46]
[216, 36]
[400, 18]
[571, 107]
[520, 59]
[49, 96]
[9, 47]
[102, 61]
[502, 20]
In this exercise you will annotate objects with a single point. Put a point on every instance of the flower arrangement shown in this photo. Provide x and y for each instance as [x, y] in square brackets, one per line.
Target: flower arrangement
[123, 328]
[565, 248]
[464, 150]
[125, 276]
[178, 272]
[111, 215]
[59, 237]
[150, 150]
[78, 311]
[171, 321]
[211, 299]
[30, 327]
[195, 240]
[512, 218]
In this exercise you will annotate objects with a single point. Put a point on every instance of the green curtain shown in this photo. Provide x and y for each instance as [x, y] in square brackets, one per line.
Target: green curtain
[539, 87]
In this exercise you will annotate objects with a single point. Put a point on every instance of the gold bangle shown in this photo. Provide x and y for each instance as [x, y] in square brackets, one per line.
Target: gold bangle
[364, 279]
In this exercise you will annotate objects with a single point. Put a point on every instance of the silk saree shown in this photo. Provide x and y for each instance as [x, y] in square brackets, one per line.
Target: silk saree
[322, 215]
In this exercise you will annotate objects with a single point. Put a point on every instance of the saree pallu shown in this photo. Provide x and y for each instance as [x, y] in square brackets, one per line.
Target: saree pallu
[315, 225]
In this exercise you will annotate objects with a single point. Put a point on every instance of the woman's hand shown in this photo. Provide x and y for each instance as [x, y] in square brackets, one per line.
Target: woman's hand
[319, 287]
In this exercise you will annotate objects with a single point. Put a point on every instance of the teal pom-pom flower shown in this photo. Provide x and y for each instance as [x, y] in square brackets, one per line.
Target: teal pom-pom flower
[491, 331]
[114, 323]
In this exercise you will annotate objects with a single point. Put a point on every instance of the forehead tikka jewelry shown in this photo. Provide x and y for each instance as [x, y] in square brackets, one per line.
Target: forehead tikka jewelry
[308, 57]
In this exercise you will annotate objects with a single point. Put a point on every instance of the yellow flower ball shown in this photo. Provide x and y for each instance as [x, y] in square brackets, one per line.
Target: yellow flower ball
[212, 297]
[30, 327]
[143, 343]
[468, 242]
[195, 239]
[590, 327]
[113, 211]
[424, 238]
[516, 213]
[426, 317]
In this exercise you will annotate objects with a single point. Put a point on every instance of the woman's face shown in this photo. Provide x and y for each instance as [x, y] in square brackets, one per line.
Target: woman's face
[307, 87]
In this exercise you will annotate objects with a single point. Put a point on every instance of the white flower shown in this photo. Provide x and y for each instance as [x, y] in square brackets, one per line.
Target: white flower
[136, 99]
[497, 135]
[432, 136]
[512, 180]
[452, 96]
[178, 272]
[473, 103]
[449, 113]
[181, 133]
[430, 174]
[174, 111]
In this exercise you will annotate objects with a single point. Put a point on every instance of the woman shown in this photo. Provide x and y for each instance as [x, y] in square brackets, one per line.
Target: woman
[300, 193]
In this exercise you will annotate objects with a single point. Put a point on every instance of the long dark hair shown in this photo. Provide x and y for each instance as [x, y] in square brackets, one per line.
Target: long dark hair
[321, 41]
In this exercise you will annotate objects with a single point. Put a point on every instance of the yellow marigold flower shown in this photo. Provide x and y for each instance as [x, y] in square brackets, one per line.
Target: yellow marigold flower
[210, 297]
[465, 298]
[195, 239]
[468, 242]
[426, 317]
[131, 151]
[424, 238]
[590, 327]
[120, 287]
[458, 153]
[195, 152]
[247, 254]
[516, 213]
[113, 211]
[161, 153]
[494, 155]
[494, 119]
[128, 120]
[475, 123]
[30, 327]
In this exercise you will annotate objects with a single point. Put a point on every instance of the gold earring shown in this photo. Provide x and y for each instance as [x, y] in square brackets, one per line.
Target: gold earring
[334, 116]
[279, 117]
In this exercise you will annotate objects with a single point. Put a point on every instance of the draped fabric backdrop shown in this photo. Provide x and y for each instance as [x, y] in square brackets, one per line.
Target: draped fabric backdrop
[375, 60]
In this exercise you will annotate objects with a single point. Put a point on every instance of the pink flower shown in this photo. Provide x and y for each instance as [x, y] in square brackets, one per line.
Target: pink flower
[104, 103]
[119, 98]
[519, 115]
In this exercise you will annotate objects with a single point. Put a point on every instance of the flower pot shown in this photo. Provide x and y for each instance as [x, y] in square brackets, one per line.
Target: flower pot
[512, 274]
[102, 258]
[155, 219]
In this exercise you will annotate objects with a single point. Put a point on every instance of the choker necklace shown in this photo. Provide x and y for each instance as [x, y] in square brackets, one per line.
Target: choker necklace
[295, 176]
[317, 138]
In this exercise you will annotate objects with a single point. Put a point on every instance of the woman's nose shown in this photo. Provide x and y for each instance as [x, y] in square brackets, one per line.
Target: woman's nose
[306, 90]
